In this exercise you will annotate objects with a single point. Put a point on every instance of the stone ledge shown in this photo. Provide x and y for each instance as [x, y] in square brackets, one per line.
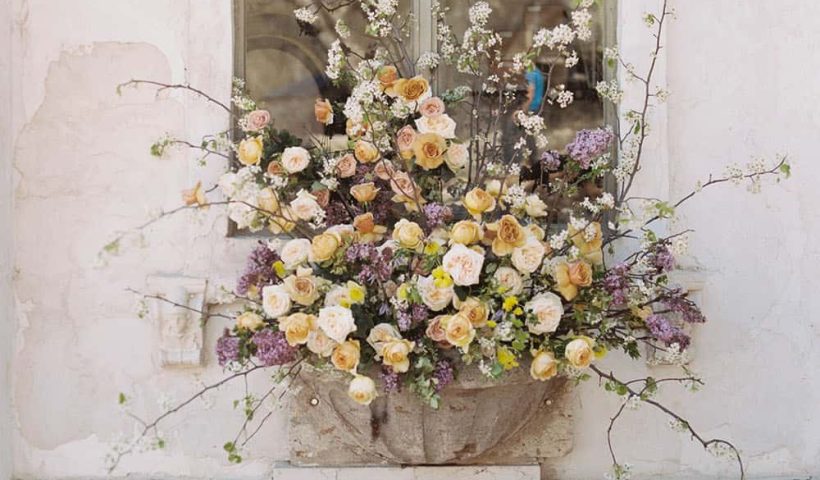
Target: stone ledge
[509, 472]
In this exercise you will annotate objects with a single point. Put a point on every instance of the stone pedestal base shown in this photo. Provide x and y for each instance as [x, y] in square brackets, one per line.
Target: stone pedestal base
[512, 472]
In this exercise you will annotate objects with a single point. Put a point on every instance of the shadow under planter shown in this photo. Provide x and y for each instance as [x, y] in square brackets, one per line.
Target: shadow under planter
[513, 420]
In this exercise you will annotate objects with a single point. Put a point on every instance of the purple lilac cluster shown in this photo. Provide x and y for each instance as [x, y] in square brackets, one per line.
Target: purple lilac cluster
[272, 348]
[662, 259]
[227, 349]
[662, 329]
[376, 265]
[337, 214]
[443, 374]
[589, 145]
[551, 160]
[616, 283]
[413, 315]
[437, 215]
[258, 271]
[689, 312]
[390, 380]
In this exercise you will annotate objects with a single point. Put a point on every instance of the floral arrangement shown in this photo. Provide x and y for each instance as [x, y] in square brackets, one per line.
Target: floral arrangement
[416, 245]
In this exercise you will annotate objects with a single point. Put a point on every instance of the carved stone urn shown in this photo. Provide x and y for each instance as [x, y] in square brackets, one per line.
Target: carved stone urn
[478, 420]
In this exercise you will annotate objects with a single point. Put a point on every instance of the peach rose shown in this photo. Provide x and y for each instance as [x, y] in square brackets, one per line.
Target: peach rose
[257, 120]
[364, 192]
[432, 107]
[323, 111]
[194, 196]
[346, 166]
[429, 149]
[346, 356]
[396, 354]
[509, 235]
[387, 76]
[435, 329]
[570, 276]
[412, 89]
[543, 366]
[297, 328]
[589, 246]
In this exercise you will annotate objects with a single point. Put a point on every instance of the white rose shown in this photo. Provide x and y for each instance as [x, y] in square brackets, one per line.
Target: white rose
[442, 125]
[458, 156]
[528, 257]
[320, 344]
[295, 159]
[295, 252]
[337, 322]
[380, 335]
[548, 309]
[336, 295]
[275, 301]
[305, 206]
[535, 207]
[463, 264]
[510, 279]
[435, 298]
[362, 390]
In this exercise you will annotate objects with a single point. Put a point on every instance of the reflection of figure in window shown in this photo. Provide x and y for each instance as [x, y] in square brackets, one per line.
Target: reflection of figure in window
[535, 89]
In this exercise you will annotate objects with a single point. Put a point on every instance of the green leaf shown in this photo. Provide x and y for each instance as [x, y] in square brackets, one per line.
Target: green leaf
[121, 398]
[786, 170]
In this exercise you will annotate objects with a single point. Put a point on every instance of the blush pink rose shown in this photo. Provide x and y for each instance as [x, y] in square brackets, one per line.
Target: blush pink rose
[384, 170]
[346, 166]
[405, 138]
[432, 107]
[257, 120]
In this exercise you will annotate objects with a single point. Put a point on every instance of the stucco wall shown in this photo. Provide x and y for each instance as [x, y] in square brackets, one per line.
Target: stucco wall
[742, 85]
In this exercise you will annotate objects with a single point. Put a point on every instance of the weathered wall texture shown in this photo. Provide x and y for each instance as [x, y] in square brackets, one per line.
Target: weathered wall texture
[741, 86]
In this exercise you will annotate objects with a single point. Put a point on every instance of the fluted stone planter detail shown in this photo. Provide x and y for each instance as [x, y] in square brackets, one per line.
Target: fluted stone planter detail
[478, 422]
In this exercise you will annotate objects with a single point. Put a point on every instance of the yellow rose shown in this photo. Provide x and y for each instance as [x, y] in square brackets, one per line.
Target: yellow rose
[250, 150]
[509, 234]
[366, 152]
[387, 76]
[364, 192]
[579, 352]
[412, 89]
[477, 201]
[475, 310]
[297, 328]
[466, 232]
[250, 321]
[302, 287]
[543, 366]
[267, 200]
[409, 235]
[323, 111]
[194, 196]
[395, 353]
[346, 356]
[459, 331]
[570, 276]
[362, 390]
[324, 246]
[429, 149]
[591, 249]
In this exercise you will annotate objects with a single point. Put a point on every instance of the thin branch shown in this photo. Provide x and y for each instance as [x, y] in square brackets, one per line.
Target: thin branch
[178, 86]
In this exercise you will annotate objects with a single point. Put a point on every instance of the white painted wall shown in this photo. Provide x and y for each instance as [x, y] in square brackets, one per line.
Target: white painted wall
[742, 83]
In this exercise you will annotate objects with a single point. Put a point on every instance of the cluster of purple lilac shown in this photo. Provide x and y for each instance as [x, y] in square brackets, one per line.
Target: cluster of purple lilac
[662, 259]
[551, 160]
[616, 283]
[272, 348]
[589, 145]
[437, 215]
[376, 265]
[679, 303]
[258, 271]
[391, 382]
[443, 374]
[227, 349]
[413, 315]
[663, 330]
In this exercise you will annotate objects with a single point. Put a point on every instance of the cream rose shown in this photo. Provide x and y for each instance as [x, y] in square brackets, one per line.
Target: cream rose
[346, 166]
[295, 252]
[250, 321]
[459, 331]
[528, 257]
[320, 344]
[366, 152]
[250, 151]
[548, 310]
[362, 390]
[337, 322]
[463, 264]
[302, 287]
[396, 354]
[579, 352]
[409, 235]
[257, 120]
[380, 335]
[466, 232]
[442, 125]
[436, 298]
[275, 301]
[477, 201]
[267, 201]
[535, 207]
[474, 309]
[510, 280]
[305, 206]
[543, 366]
[323, 247]
[295, 159]
[297, 328]
[458, 156]
[346, 356]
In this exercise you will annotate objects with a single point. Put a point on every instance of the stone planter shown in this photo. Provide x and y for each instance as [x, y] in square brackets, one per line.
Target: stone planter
[478, 416]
